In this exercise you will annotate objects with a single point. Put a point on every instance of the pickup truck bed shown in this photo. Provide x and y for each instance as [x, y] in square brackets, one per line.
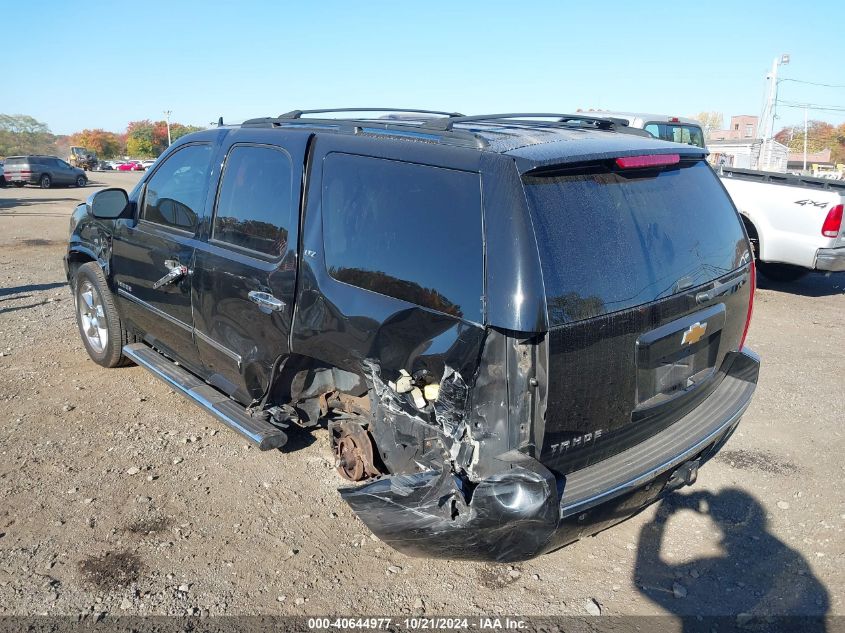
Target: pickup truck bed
[794, 222]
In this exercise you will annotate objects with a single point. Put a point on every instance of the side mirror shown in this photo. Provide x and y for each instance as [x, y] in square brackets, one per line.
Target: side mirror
[108, 204]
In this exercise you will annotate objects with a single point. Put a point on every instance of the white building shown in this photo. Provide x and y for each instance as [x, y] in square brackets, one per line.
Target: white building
[745, 153]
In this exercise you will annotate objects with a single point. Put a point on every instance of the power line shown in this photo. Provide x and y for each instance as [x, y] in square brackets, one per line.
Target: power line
[813, 83]
[813, 106]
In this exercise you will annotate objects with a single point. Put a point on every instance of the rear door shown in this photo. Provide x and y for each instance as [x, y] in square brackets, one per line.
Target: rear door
[51, 167]
[647, 281]
[245, 270]
[152, 260]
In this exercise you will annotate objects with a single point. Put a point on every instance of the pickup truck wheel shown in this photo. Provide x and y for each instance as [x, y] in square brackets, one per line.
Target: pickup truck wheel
[96, 315]
[45, 181]
[781, 272]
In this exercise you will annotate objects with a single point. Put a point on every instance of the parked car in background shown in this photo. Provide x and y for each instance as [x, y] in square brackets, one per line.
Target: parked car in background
[794, 222]
[148, 163]
[131, 165]
[502, 374]
[2, 175]
[44, 171]
[675, 129]
[104, 166]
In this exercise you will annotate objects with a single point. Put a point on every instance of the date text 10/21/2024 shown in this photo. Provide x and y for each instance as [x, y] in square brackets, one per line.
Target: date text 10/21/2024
[420, 623]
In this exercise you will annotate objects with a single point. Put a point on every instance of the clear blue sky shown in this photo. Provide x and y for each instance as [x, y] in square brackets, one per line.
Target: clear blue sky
[101, 64]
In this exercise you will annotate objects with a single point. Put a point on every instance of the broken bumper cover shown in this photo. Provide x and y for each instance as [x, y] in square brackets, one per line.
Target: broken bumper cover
[526, 510]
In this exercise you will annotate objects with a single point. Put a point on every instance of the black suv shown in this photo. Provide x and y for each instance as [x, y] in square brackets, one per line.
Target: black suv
[518, 329]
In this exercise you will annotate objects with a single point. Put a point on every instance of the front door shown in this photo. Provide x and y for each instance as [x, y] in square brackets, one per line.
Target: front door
[152, 259]
[246, 269]
[63, 173]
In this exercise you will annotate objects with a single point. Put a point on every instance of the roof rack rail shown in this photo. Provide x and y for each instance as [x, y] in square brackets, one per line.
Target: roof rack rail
[446, 124]
[383, 127]
[297, 114]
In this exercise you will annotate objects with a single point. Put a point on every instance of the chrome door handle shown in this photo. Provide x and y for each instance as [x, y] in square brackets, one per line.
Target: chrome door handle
[266, 301]
[177, 271]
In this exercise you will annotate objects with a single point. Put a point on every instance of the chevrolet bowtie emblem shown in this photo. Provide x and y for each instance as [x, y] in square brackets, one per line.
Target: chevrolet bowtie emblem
[694, 334]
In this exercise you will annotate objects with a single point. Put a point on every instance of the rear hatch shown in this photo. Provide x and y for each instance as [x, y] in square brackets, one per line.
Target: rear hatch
[648, 279]
[16, 169]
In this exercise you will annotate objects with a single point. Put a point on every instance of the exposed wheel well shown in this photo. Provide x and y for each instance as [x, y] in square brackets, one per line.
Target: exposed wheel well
[75, 259]
[753, 235]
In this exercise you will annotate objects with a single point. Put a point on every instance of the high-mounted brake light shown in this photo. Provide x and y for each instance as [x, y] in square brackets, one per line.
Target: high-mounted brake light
[674, 119]
[833, 221]
[648, 160]
[752, 277]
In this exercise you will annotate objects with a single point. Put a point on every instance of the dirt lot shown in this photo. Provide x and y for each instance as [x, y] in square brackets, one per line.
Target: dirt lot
[118, 496]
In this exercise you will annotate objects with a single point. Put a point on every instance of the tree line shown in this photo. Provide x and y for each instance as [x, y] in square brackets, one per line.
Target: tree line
[22, 134]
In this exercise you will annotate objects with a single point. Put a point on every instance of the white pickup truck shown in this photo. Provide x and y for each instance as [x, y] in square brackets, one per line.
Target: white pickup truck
[794, 222]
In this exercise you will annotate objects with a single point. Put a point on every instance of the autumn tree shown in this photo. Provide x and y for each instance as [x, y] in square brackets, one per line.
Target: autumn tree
[820, 136]
[139, 139]
[710, 121]
[149, 139]
[104, 144]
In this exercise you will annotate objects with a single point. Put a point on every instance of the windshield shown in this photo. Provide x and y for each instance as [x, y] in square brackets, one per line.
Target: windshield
[677, 133]
[611, 240]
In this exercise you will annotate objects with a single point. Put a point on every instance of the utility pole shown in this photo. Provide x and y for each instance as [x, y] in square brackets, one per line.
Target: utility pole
[167, 119]
[805, 138]
[769, 113]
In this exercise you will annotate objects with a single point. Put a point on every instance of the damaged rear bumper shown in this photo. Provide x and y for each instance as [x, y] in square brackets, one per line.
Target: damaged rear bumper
[525, 509]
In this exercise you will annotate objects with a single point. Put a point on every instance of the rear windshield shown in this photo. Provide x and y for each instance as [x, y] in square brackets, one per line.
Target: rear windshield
[610, 240]
[17, 160]
[677, 133]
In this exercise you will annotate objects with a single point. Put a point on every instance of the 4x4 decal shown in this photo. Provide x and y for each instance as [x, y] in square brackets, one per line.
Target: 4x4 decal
[812, 202]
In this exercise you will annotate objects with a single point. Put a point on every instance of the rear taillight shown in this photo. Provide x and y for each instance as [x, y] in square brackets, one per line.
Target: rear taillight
[24, 172]
[752, 276]
[648, 160]
[833, 221]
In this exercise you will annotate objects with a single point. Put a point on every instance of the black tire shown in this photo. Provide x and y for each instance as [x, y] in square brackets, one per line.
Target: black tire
[19, 184]
[781, 272]
[106, 321]
[45, 182]
[81, 181]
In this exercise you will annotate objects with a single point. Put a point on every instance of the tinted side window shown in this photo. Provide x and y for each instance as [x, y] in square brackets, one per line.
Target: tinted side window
[254, 207]
[176, 192]
[406, 231]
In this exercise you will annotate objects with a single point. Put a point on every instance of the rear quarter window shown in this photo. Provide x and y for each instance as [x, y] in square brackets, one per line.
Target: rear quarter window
[611, 240]
[407, 231]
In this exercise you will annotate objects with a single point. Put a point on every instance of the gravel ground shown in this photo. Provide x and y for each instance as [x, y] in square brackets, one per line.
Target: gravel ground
[117, 496]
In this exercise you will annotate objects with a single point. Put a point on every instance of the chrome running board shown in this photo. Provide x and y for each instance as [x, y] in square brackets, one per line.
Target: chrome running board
[257, 430]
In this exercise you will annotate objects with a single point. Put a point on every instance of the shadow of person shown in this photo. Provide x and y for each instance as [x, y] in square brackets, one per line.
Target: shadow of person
[757, 582]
